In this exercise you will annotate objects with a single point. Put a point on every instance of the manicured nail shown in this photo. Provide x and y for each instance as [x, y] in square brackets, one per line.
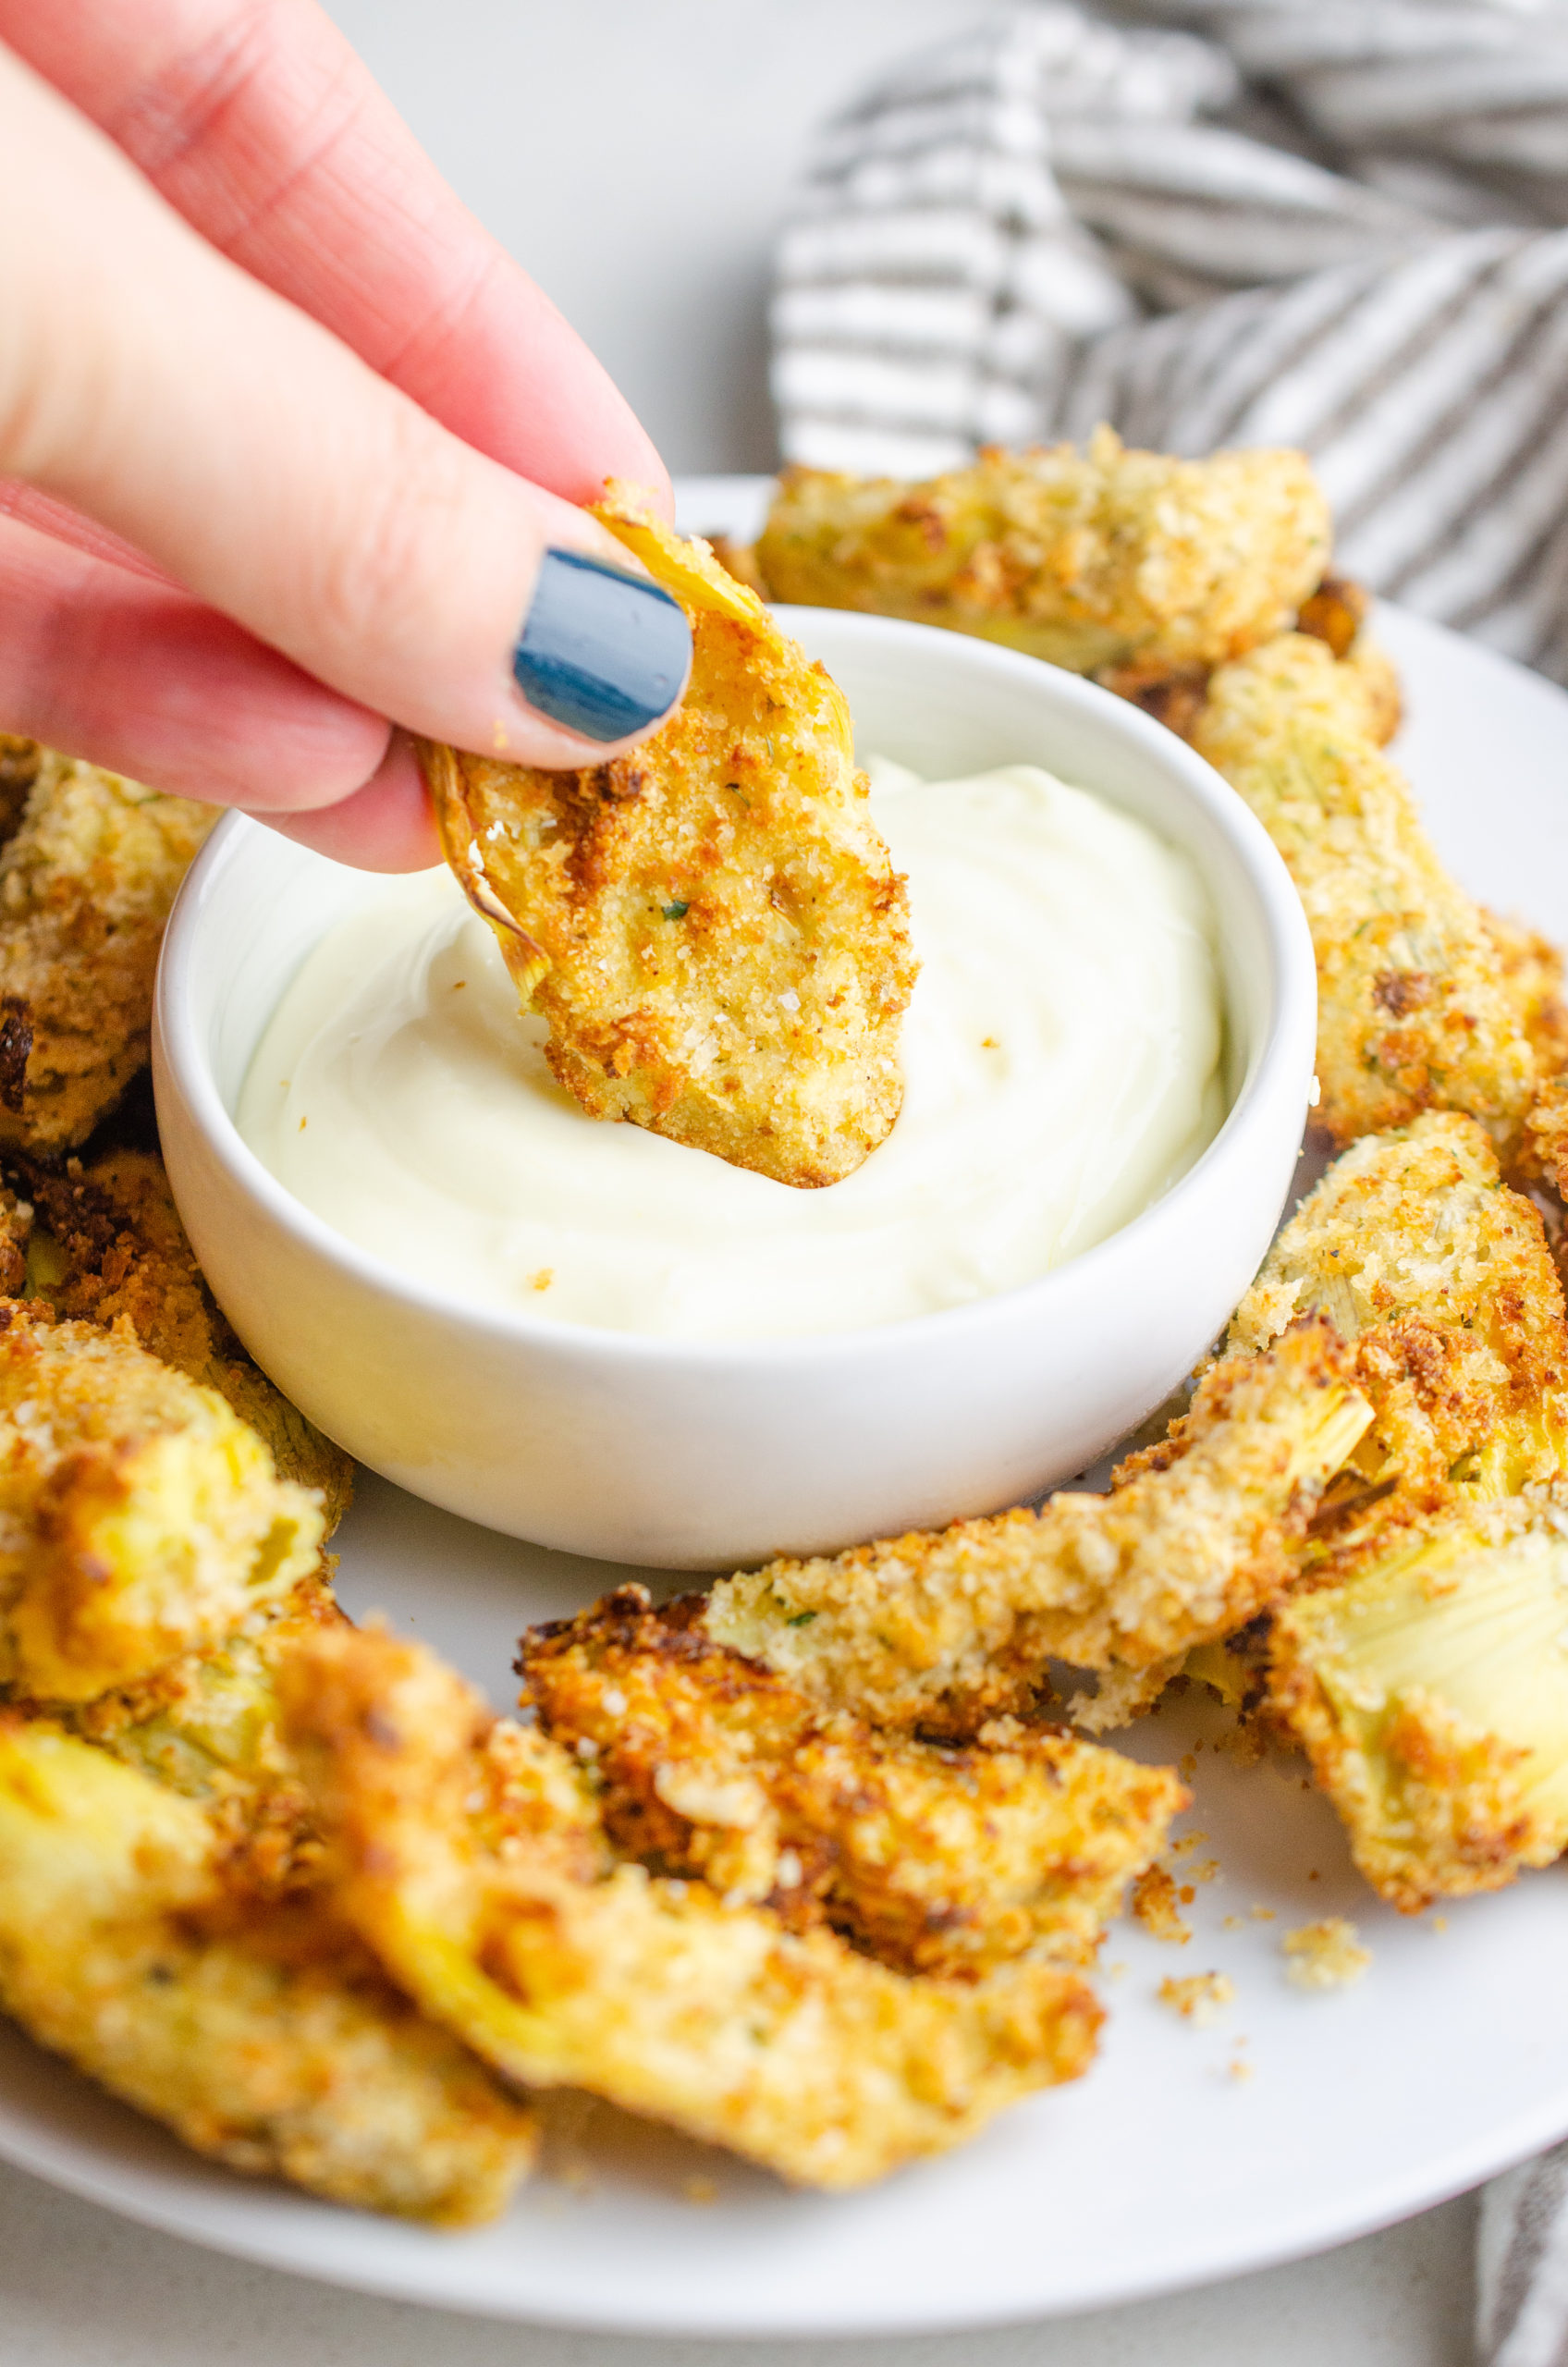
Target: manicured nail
[603, 651]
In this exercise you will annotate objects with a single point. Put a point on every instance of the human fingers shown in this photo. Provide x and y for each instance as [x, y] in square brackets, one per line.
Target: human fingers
[153, 384]
[136, 675]
[257, 121]
[385, 825]
[63, 524]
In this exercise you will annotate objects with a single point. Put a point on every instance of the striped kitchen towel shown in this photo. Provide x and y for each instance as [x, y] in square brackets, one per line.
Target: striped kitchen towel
[1342, 223]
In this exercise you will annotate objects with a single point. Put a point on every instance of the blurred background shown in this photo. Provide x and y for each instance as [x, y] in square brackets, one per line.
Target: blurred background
[636, 155]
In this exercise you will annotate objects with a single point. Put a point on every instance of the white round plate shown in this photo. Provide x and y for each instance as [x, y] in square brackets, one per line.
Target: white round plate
[1294, 2122]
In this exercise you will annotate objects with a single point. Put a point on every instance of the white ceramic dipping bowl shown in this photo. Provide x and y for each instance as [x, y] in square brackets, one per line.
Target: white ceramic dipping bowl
[703, 1455]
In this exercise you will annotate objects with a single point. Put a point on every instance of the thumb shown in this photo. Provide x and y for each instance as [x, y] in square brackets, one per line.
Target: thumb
[154, 386]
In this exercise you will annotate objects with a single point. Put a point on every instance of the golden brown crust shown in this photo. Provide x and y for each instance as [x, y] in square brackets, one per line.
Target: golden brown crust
[1442, 1278]
[1414, 1008]
[942, 1631]
[141, 1519]
[658, 1996]
[1533, 968]
[931, 1860]
[1431, 1694]
[1335, 613]
[1090, 560]
[104, 1245]
[712, 925]
[264, 2036]
[86, 883]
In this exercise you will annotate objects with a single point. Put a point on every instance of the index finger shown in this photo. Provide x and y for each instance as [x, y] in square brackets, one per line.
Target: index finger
[257, 121]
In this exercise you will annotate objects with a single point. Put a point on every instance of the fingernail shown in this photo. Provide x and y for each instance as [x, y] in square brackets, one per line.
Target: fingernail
[603, 651]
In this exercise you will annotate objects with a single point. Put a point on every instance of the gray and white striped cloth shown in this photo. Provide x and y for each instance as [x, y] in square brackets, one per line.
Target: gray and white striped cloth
[1342, 223]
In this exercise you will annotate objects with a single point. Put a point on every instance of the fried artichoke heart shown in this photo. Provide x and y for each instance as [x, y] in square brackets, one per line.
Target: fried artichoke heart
[656, 1994]
[141, 1518]
[1442, 1278]
[265, 2038]
[1431, 1694]
[945, 1630]
[711, 926]
[87, 879]
[1089, 560]
[1415, 1007]
[103, 1243]
[933, 1860]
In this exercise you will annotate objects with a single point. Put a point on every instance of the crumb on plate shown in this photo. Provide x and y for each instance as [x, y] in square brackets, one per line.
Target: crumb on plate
[1325, 1954]
[1200, 1998]
[1154, 1904]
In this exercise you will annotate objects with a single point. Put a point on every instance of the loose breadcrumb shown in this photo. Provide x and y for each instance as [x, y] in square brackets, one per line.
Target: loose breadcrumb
[1154, 1904]
[1325, 1954]
[1200, 1998]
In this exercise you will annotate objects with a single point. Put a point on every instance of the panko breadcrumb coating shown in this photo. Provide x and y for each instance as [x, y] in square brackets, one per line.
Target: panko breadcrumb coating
[1533, 968]
[86, 883]
[1431, 1694]
[944, 1630]
[207, 1726]
[1415, 1011]
[1443, 1279]
[658, 1996]
[710, 925]
[141, 1518]
[104, 1244]
[1090, 560]
[265, 2038]
[930, 1860]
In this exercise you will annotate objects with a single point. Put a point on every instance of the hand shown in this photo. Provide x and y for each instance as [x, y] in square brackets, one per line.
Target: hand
[287, 439]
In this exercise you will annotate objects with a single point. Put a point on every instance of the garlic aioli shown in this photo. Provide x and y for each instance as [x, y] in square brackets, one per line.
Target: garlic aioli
[1061, 1058]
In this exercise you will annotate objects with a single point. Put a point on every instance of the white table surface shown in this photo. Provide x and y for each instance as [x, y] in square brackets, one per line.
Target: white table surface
[635, 155]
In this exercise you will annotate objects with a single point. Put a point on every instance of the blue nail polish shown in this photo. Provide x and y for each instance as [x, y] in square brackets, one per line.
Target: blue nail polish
[602, 651]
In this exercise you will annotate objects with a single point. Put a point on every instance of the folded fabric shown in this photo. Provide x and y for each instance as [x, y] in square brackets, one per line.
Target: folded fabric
[1521, 2265]
[1339, 224]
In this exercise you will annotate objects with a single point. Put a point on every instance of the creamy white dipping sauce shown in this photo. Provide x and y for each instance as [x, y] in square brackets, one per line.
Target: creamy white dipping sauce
[1061, 1060]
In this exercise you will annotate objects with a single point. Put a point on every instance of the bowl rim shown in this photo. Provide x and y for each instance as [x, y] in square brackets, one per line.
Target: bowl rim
[181, 1057]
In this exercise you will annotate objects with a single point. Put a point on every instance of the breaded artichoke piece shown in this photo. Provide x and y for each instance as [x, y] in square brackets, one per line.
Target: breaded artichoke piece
[945, 1630]
[1533, 968]
[931, 1861]
[264, 2037]
[138, 1518]
[658, 1996]
[207, 1726]
[86, 883]
[103, 1243]
[710, 925]
[1092, 558]
[1431, 1694]
[1367, 683]
[1337, 614]
[1443, 1279]
[1414, 1008]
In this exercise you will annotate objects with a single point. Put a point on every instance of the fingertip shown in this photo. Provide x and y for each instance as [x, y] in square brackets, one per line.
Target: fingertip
[387, 825]
[604, 652]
